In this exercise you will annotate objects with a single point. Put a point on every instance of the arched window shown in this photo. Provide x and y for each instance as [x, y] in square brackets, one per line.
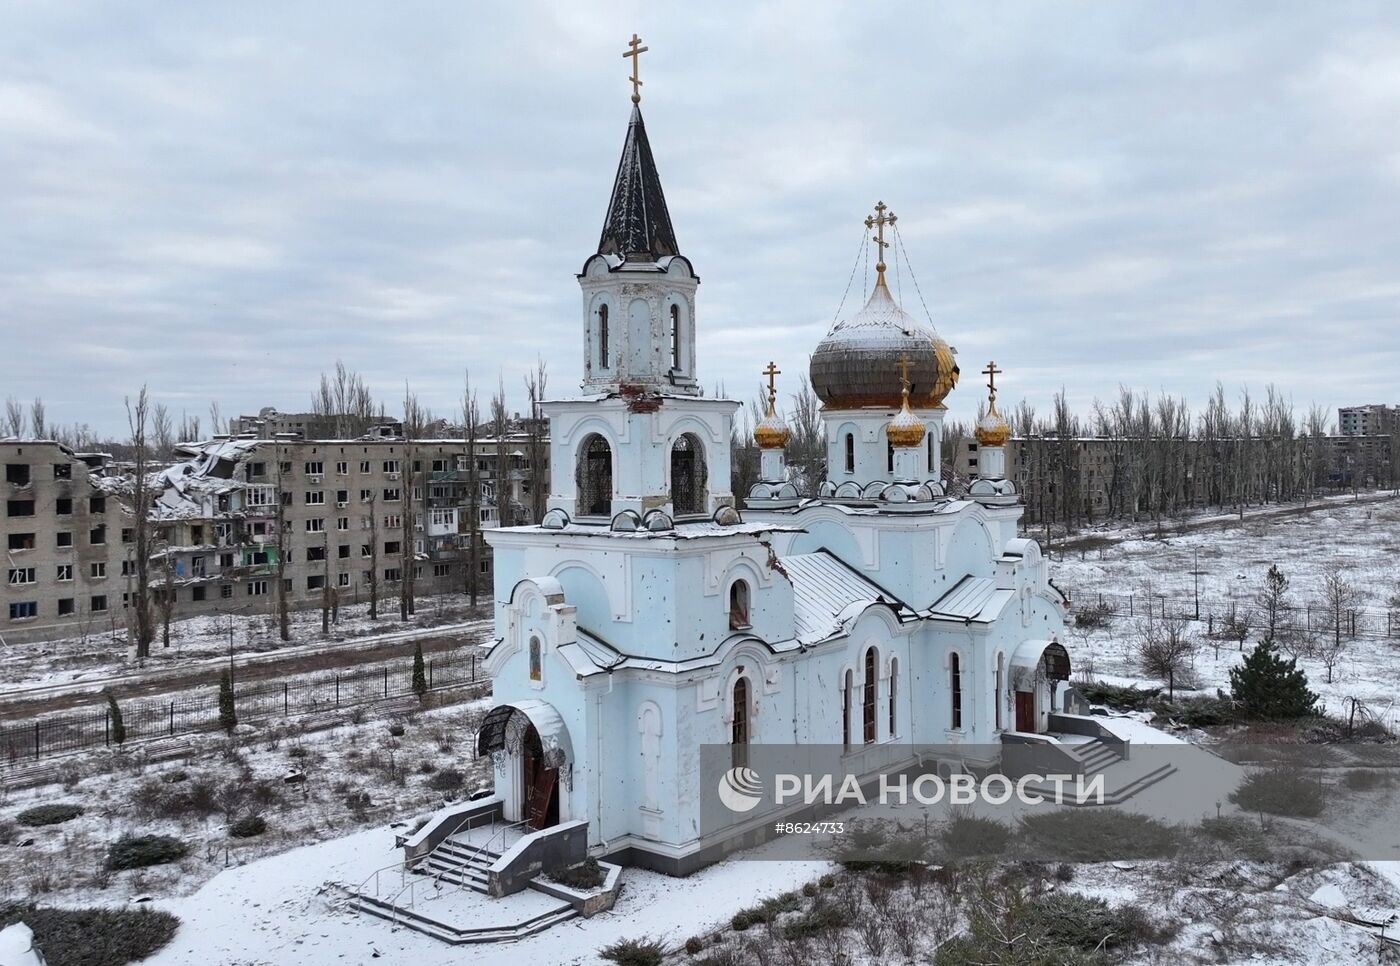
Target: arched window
[595, 480]
[868, 696]
[932, 460]
[603, 336]
[536, 659]
[846, 687]
[1001, 693]
[739, 605]
[687, 476]
[675, 336]
[889, 456]
[739, 734]
[894, 694]
[850, 452]
[955, 665]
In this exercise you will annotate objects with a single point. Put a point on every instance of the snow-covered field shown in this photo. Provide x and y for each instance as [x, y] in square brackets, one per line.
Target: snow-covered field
[1362, 538]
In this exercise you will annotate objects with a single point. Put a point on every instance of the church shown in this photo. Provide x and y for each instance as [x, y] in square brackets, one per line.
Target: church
[653, 612]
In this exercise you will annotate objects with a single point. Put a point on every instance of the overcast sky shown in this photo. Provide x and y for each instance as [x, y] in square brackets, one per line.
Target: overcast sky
[221, 199]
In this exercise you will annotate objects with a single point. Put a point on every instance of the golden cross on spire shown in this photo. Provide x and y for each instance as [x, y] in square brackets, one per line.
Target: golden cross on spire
[878, 221]
[635, 52]
[771, 372]
[904, 365]
[991, 372]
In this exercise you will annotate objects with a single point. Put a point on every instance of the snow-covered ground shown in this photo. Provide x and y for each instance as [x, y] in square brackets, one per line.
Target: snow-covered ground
[1363, 538]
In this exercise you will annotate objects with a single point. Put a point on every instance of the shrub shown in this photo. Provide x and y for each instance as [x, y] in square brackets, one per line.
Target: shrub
[396, 729]
[1093, 616]
[1064, 872]
[54, 814]
[248, 827]
[1279, 791]
[633, 952]
[809, 890]
[1098, 835]
[173, 777]
[827, 881]
[358, 802]
[967, 835]
[1090, 924]
[1362, 779]
[819, 919]
[140, 851]
[94, 937]
[1199, 712]
[1130, 698]
[447, 780]
[588, 874]
[228, 710]
[694, 945]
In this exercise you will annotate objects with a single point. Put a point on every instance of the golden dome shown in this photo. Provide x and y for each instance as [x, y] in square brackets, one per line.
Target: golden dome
[993, 429]
[905, 429]
[771, 432]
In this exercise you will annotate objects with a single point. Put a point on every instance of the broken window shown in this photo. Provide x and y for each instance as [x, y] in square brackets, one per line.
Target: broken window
[21, 541]
[688, 476]
[21, 575]
[17, 473]
[23, 610]
[603, 336]
[256, 470]
[97, 504]
[66, 606]
[63, 539]
[594, 478]
[98, 603]
[63, 471]
[65, 572]
[675, 336]
[391, 574]
[392, 546]
[344, 551]
[315, 554]
[97, 536]
[19, 508]
[739, 605]
[868, 696]
[392, 494]
[955, 679]
[63, 506]
[739, 730]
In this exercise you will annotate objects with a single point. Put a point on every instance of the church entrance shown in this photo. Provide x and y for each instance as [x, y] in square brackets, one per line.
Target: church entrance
[1025, 711]
[540, 782]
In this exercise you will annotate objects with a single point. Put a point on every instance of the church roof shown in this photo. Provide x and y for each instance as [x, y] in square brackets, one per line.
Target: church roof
[827, 593]
[972, 599]
[638, 226]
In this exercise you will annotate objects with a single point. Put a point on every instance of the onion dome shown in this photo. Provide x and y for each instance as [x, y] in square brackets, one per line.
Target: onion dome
[993, 429]
[771, 432]
[906, 429]
[854, 366]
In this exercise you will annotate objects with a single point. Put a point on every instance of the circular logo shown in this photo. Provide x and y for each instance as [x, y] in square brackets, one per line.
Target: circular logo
[740, 789]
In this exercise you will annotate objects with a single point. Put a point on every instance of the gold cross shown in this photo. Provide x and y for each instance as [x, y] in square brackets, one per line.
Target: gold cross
[635, 52]
[771, 372]
[991, 372]
[904, 365]
[878, 221]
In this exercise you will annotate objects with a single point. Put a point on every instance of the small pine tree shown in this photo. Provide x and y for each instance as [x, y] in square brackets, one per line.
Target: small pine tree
[1268, 685]
[115, 714]
[420, 674]
[228, 713]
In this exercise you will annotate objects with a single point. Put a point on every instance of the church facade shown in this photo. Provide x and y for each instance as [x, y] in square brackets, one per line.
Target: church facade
[646, 616]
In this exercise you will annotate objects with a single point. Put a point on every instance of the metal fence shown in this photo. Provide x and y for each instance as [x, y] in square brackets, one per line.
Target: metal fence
[1359, 623]
[199, 710]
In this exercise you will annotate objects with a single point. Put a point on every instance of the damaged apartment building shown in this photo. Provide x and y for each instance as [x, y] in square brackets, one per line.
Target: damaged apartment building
[353, 514]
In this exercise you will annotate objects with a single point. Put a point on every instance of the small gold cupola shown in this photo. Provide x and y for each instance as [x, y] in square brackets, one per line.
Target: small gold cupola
[992, 428]
[771, 432]
[906, 429]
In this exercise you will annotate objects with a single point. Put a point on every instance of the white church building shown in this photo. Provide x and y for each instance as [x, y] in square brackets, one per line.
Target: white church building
[647, 616]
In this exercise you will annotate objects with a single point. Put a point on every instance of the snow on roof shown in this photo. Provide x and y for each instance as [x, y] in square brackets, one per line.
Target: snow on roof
[972, 599]
[827, 593]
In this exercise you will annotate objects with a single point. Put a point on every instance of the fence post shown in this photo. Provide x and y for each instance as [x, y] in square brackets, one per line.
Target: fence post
[430, 675]
[1130, 605]
[386, 682]
[107, 728]
[337, 690]
[473, 667]
[36, 741]
[172, 719]
[284, 699]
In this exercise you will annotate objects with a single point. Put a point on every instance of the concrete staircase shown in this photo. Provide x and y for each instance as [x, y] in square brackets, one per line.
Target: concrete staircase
[1121, 781]
[1096, 755]
[461, 935]
[459, 862]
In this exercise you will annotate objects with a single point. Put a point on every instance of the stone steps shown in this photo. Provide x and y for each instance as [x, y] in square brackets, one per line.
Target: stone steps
[1112, 796]
[456, 935]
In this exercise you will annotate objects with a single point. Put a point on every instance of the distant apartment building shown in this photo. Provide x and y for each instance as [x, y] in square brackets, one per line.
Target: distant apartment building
[352, 515]
[1374, 420]
[62, 532]
[269, 424]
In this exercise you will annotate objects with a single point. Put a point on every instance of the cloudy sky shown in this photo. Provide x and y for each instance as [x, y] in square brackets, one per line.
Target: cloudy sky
[220, 200]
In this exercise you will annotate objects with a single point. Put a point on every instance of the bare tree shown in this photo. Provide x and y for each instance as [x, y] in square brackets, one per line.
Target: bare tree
[373, 555]
[471, 418]
[138, 420]
[216, 417]
[1273, 602]
[37, 421]
[14, 417]
[165, 598]
[413, 420]
[1339, 601]
[1166, 649]
[537, 441]
[807, 447]
[326, 582]
[347, 400]
[500, 426]
[164, 431]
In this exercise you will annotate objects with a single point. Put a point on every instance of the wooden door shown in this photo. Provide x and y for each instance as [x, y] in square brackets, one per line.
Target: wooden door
[544, 810]
[1025, 711]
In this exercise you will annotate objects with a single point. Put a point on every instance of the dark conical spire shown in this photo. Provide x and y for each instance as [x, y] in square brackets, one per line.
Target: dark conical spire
[638, 227]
